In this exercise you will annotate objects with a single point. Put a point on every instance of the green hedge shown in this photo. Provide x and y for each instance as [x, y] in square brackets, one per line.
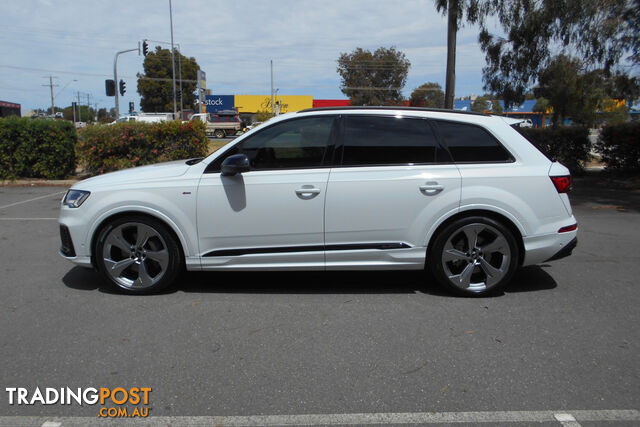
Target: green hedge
[568, 145]
[619, 146]
[105, 148]
[36, 148]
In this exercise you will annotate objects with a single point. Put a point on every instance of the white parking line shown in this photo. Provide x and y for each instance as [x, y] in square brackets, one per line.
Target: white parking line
[28, 219]
[567, 420]
[345, 419]
[31, 200]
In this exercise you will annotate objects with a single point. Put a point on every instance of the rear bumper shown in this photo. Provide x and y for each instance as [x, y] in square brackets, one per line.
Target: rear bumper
[544, 248]
[565, 251]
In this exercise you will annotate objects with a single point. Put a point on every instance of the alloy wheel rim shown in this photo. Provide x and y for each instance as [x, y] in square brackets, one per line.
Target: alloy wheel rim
[476, 257]
[135, 255]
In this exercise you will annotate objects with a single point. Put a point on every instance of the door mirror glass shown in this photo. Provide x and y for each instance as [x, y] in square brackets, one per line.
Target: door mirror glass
[235, 164]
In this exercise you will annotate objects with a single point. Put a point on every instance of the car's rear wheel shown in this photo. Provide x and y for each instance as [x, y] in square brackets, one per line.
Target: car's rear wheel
[138, 255]
[474, 256]
[219, 133]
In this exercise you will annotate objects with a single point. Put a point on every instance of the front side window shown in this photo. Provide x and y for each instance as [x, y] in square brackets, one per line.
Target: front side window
[471, 143]
[379, 140]
[293, 144]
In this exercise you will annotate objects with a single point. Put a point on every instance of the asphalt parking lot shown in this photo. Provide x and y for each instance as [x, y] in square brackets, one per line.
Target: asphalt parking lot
[564, 338]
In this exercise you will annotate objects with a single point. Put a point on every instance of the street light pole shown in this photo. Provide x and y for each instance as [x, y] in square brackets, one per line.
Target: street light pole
[173, 62]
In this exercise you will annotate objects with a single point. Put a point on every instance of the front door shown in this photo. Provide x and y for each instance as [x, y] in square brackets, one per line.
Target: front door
[273, 215]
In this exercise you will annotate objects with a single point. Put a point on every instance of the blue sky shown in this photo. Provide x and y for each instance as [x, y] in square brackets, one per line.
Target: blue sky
[232, 41]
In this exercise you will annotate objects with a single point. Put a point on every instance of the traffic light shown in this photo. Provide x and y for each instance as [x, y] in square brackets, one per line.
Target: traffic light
[123, 87]
[130, 106]
[145, 47]
[110, 87]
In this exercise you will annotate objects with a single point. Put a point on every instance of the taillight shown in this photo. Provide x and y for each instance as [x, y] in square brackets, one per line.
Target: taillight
[568, 228]
[562, 183]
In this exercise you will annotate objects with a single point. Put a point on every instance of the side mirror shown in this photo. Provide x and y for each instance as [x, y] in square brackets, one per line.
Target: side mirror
[235, 164]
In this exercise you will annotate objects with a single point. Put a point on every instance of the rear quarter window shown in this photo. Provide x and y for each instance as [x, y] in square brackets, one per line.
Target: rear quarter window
[469, 143]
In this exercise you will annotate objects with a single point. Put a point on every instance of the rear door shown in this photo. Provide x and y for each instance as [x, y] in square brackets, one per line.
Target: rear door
[393, 181]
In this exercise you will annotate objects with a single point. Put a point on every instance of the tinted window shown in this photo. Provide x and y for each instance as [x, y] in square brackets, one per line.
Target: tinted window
[300, 143]
[469, 143]
[375, 140]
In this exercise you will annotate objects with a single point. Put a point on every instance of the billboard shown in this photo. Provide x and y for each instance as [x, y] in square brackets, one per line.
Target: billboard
[219, 102]
[287, 103]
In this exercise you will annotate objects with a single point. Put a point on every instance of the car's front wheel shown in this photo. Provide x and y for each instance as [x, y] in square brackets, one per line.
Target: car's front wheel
[474, 256]
[137, 254]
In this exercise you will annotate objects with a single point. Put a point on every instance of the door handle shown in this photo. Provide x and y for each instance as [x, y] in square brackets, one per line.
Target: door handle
[431, 188]
[307, 192]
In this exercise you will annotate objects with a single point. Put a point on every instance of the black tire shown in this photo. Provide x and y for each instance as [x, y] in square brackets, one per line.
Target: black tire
[157, 262]
[477, 270]
[219, 133]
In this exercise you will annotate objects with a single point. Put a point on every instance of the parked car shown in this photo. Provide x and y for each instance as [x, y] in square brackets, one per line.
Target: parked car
[462, 194]
[220, 124]
[526, 123]
[253, 125]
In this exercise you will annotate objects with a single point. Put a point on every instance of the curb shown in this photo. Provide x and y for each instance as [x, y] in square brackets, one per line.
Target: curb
[39, 183]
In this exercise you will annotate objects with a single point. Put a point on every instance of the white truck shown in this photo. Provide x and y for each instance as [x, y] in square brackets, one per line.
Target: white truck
[146, 117]
[220, 124]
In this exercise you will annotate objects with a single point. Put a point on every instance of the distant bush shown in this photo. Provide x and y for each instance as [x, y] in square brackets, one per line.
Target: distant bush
[105, 148]
[568, 145]
[36, 148]
[619, 146]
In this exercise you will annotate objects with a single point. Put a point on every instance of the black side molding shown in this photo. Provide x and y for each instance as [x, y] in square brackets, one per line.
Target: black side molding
[314, 248]
[566, 251]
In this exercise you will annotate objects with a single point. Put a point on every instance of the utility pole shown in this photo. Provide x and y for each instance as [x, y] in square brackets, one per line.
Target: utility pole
[180, 74]
[272, 100]
[173, 62]
[452, 29]
[79, 110]
[51, 86]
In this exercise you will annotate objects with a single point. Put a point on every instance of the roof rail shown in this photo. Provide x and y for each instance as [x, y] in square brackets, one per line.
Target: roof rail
[386, 107]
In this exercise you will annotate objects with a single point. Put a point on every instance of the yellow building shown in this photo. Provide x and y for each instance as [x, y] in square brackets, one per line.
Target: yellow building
[286, 103]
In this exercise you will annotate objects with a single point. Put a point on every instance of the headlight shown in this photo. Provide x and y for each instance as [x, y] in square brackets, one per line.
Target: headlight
[74, 198]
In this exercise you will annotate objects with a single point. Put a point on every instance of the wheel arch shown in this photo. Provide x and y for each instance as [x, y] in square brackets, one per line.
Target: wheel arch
[113, 216]
[504, 220]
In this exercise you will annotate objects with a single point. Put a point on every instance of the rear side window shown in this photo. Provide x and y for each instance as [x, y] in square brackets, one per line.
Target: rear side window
[375, 140]
[470, 143]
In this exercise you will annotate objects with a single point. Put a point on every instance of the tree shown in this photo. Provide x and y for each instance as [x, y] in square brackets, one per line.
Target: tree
[456, 10]
[599, 32]
[263, 116]
[155, 86]
[571, 91]
[496, 108]
[427, 95]
[480, 104]
[373, 78]
[622, 86]
[83, 112]
[541, 106]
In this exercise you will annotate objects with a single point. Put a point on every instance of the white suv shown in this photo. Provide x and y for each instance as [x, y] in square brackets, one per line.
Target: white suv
[462, 194]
